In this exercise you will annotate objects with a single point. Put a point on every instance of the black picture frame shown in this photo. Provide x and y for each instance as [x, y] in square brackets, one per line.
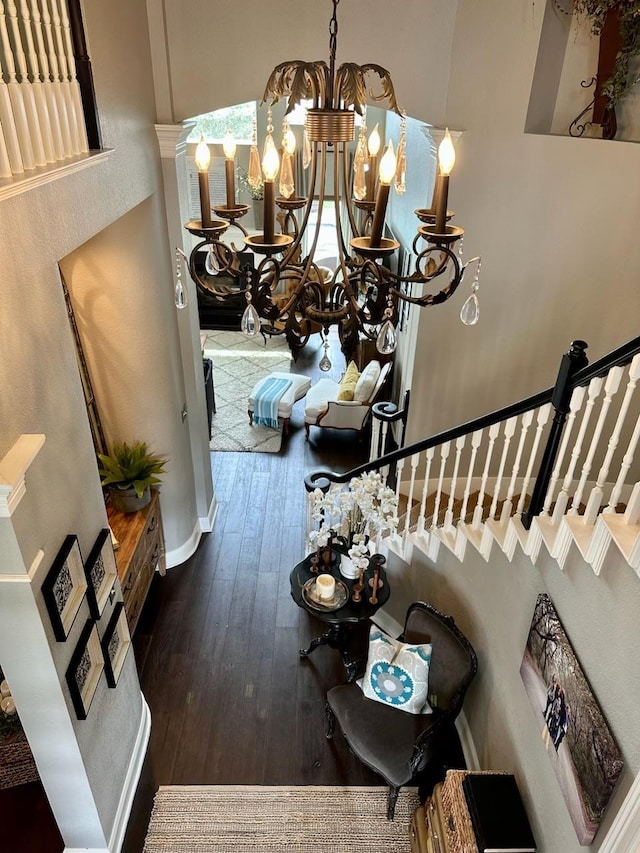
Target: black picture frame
[115, 644]
[64, 587]
[85, 669]
[101, 571]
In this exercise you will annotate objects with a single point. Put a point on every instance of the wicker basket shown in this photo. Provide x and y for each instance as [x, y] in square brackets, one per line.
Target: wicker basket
[460, 835]
[16, 761]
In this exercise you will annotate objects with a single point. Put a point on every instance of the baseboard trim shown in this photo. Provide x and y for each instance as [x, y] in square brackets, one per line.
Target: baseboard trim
[466, 740]
[128, 788]
[131, 780]
[204, 524]
[207, 522]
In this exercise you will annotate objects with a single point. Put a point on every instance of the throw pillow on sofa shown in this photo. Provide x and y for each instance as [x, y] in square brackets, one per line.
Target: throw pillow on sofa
[349, 382]
[367, 382]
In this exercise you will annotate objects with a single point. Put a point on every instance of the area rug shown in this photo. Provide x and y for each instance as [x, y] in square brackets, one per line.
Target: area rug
[232, 819]
[238, 363]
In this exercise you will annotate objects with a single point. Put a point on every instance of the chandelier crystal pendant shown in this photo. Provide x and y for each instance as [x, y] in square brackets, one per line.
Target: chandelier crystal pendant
[288, 293]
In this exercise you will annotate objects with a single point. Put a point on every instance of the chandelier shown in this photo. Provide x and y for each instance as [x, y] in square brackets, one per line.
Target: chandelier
[286, 292]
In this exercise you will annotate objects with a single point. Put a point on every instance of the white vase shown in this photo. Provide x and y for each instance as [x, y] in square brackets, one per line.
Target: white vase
[348, 568]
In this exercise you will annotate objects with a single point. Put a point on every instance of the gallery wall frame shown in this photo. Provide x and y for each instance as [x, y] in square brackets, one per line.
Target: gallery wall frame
[101, 572]
[116, 642]
[574, 731]
[85, 669]
[65, 587]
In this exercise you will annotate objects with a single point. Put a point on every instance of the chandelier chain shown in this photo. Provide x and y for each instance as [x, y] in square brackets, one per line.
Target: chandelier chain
[333, 46]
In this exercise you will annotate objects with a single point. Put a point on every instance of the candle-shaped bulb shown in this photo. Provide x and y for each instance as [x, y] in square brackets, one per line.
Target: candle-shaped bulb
[203, 155]
[288, 140]
[229, 145]
[374, 142]
[387, 165]
[270, 160]
[446, 154]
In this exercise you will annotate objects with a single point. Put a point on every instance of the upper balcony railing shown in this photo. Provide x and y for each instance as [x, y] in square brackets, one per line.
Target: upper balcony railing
[47, 107]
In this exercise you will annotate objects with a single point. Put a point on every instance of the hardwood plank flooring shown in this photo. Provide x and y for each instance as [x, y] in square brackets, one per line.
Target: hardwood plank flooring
[217, 646]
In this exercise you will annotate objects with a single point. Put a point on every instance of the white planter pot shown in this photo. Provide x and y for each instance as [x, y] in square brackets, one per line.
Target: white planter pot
[348, 568]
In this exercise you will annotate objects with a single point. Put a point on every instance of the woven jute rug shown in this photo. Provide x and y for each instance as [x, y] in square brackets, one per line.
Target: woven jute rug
[238, 363]
[229, 819]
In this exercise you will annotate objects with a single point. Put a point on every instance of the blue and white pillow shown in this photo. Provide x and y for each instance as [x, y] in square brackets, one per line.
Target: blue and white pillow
[397, 673]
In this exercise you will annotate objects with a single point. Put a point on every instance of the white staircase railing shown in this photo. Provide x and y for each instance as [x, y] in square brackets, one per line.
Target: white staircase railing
[524, 477]
[41, 116]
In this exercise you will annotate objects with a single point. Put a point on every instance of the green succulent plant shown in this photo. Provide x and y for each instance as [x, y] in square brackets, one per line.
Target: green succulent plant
[131, 466]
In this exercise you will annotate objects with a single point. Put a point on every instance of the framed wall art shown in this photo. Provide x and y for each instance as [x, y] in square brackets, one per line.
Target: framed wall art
[101, 572]
[85, 669]
[65, 587]
[585, 757]
[115, 644]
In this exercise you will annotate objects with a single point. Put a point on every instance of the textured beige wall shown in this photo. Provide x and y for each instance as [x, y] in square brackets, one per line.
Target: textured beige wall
[493, 603]
[135, 336]
[222, 53]
[554, 219]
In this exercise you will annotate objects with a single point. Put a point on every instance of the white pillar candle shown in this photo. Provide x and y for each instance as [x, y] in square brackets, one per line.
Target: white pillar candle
[326, 586]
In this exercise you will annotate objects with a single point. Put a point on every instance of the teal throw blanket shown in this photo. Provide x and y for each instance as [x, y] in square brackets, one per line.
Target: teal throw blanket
[267, 399]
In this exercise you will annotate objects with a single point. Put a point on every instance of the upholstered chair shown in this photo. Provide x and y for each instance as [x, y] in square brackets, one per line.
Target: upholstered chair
[396, 744]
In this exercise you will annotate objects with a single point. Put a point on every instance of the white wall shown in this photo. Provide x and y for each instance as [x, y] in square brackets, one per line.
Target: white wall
[220, 54]
[129, 292]
[553, 218]
[493, 603]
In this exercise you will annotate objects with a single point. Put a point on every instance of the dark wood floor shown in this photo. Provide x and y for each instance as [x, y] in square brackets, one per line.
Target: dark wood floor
[217, 646]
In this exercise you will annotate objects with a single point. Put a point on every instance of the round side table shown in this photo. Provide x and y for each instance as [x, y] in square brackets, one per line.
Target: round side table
[338, 621]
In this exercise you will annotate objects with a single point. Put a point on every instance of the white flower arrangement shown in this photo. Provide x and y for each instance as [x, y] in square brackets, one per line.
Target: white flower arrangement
[362, 512]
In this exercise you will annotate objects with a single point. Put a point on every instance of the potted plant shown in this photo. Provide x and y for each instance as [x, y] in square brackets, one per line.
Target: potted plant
[129, 472]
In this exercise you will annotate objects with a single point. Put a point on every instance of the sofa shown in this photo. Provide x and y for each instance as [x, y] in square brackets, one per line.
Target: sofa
[324, 408]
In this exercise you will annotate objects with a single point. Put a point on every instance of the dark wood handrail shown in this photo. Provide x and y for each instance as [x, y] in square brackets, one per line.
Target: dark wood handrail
[622, 355]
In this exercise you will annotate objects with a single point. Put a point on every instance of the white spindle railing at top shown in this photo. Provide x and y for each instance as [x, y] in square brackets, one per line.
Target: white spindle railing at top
[41, 116]
[446, 485]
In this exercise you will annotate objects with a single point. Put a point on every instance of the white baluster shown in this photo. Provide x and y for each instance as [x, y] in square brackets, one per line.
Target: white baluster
[374, 446]
[81, 129]
[627, 459]
[444, 455]
[595, 386]
[64, 78]
[494, 431]
[425, 489]
[13, 111]
[47, 85]
[595, 498]
[527, 420]
[415, 460]
[577, 399]
[42, 109]
[399, 470]
[56, 81]
[611, 385]
[632, 512]
[509, 431]
[476, 440]
[28, 96]
[448, 516]
[5, 165]
[384, 472]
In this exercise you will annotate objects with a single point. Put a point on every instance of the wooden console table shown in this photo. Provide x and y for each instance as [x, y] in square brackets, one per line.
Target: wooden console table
[141, 552]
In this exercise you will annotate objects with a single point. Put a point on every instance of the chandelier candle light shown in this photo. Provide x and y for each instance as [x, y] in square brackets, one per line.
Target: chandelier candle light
[287, 292]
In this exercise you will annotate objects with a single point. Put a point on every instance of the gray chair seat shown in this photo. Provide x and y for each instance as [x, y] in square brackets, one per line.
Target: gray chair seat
[394, 743]
[376, 735]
